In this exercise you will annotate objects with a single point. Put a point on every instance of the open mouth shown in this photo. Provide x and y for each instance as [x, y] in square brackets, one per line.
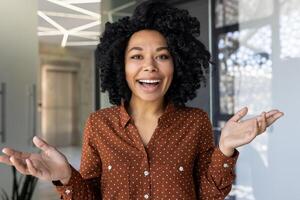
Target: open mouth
[149, 85]
[149, 82]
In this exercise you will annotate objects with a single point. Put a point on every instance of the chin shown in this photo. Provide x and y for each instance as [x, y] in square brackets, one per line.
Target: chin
[150, 98]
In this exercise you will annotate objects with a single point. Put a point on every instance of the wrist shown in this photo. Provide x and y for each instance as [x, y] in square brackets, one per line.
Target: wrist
[65, 181]
[67, 178]
[227, 151]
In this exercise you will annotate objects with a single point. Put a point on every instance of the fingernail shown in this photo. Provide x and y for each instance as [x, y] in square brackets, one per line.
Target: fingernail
[243, 109]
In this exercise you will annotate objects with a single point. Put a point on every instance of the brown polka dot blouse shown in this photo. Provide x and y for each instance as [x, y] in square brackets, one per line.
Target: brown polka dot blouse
[179, 162]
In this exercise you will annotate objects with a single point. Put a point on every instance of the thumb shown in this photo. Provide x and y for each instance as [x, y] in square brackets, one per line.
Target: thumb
[41, 144]
[239, 115]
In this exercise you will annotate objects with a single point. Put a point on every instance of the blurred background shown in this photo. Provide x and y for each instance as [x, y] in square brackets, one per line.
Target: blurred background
[49, 83]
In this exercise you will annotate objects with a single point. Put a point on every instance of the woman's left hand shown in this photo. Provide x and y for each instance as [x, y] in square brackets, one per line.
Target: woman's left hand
[237, 133]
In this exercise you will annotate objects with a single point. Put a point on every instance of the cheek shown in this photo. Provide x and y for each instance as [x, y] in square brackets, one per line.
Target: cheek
[128, 76]
[170, 71]
[130, 72]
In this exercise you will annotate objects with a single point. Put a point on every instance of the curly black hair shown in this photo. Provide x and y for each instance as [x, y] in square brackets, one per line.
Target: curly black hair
[190, 57]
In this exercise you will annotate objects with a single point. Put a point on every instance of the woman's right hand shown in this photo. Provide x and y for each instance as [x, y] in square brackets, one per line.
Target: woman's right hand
[49, 164]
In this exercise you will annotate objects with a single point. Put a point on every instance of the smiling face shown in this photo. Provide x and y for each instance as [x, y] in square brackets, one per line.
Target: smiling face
[148, 65]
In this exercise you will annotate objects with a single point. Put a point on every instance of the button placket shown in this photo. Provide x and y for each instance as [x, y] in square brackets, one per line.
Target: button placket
[181, 168]
[146, 173]
[147, 179]
[68, 191]
[225, 165]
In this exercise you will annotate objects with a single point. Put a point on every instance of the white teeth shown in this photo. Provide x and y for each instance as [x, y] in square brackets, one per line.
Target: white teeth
[149, 81]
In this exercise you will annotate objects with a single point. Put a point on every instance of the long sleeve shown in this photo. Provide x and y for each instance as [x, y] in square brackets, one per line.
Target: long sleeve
[214, 171]
[85, 185]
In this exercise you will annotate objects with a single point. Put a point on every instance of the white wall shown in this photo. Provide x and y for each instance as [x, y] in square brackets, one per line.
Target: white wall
[269, 167]
[283, 144]
[18, 64]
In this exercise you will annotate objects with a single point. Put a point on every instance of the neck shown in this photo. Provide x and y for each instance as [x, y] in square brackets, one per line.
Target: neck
[145, 109]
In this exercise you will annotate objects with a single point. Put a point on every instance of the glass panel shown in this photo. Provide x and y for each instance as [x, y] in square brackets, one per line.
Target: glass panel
[290, 29]
[238, 11]
[227, 12]
[259, 68]
[228, 46]
[245, 70]
[249, 10]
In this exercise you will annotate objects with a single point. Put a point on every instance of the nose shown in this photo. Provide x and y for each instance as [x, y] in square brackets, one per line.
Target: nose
[150, 65]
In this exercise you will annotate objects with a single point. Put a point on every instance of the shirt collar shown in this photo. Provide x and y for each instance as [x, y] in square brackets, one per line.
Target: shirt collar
[125, 117]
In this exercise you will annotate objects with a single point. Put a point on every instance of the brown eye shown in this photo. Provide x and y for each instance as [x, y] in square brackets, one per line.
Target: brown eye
[163, 57]
[136, 57]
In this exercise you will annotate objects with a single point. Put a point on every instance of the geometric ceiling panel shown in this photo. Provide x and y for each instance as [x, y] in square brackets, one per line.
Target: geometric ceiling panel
[69, 22]
[76, 22]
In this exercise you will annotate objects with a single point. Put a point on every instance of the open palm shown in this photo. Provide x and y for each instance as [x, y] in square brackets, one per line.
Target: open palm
[237, 133]
[49, 164]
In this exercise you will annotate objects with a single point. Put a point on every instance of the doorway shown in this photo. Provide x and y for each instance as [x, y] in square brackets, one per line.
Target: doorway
[59, 105]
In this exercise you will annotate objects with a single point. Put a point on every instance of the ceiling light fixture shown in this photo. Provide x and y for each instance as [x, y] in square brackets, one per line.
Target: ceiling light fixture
[83, 27]
[83, 43]
[76, 8]
[83, 31]
[64, 40]
[81, 1]
[68, 15]
[51, 21]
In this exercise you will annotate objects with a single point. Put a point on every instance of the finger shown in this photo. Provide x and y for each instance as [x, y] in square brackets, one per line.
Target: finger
[19, 165]
[41, 144]
[271, 112]
[251, 127]
[239, 115]
[259, 119]
[256, 127]
[15, 153]
[269, 115]
[274, 117]
[263, 123]
[5, 159]
[31, 169]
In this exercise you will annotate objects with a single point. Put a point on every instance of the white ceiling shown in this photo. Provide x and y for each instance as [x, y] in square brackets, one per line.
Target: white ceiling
[69, 22]
[77, 22]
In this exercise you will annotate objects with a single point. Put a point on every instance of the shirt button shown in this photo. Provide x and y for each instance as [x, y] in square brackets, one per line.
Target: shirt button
[146, 173]
[109, 167]
[225, 165]
[181, 169]
[68, 191]
[146, 196]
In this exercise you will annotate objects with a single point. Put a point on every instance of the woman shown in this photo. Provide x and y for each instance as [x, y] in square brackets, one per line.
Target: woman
[149, 145]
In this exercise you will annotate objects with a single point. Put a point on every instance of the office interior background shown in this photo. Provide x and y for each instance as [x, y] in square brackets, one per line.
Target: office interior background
[49, 83]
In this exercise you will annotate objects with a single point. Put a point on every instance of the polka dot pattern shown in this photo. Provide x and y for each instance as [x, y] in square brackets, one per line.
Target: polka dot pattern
[179, 162]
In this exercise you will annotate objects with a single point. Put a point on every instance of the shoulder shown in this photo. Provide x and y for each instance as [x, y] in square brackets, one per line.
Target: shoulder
[104, 114]
[192, 115]
[193, 112]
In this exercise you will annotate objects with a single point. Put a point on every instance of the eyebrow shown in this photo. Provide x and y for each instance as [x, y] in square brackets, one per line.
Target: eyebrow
[140, 48]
